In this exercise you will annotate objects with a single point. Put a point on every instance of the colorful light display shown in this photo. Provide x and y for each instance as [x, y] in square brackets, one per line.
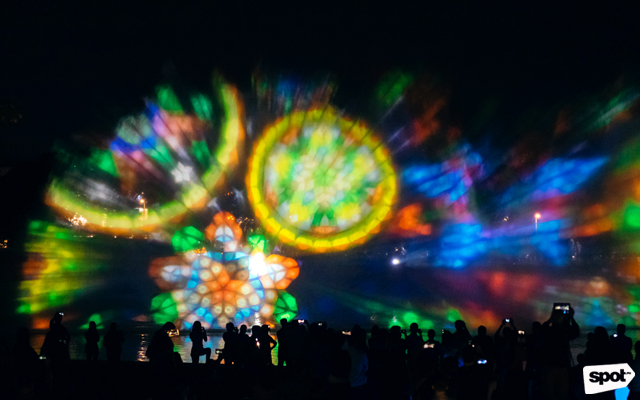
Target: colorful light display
[175, 158]
[502, 231]
[58, 269]
[321, 182]
[221, 279]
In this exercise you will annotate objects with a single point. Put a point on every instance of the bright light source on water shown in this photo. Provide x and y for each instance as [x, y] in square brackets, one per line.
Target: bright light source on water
[395, 261]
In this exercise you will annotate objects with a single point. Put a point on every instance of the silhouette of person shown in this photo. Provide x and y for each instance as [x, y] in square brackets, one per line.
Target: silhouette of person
[56, 343]
[56, 350]
[377, 350]
[601, 350]
[557, 333]
[484, 343]
[267, 344]
[198, 336]
[622, 344]
[25, 360]
[432, 353]
[283, 343]
[230, 350]
[339, 369]
[461, 337]
[396, 366]
[414, 342]
[91, 347]
[472, 379]
[112, 341]
[357, 349]
[160, 350]
[163, 363]
[243, 345]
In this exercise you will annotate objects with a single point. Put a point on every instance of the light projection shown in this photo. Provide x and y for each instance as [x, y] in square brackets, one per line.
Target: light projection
[58, 270]
[321, 182]
[161, 164]
[390, 230]
[217, 278]
[78, 273]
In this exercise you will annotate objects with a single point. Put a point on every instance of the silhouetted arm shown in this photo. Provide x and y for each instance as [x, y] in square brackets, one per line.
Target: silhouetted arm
[574, 330]
[498, 335]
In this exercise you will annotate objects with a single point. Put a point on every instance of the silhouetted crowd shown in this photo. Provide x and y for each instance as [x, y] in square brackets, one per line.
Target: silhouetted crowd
[315, 361]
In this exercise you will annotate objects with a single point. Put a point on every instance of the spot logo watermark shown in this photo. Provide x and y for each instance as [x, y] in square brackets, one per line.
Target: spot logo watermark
[602, 378]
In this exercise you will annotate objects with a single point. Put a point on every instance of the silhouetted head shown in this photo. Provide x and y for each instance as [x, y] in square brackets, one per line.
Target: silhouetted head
[600, 334]
[284, 322]
[255, 331]
[482, 330]
[56, 320]
[230, 326]
[169, 326]
[92, 326]
[535, 327]
[621, 329]
[395, 332]
[375, 331]
[460, 325]
[113, 326]
[243, 329]
[197, 326]
[413, 328]
[431, 334]
[22, 337]
[264, 329]
[590, 337]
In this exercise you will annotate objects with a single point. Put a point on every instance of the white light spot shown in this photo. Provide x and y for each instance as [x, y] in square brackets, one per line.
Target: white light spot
[182, 173]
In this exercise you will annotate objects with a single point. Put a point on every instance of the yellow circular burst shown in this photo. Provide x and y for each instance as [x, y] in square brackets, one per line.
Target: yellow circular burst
[321, 182]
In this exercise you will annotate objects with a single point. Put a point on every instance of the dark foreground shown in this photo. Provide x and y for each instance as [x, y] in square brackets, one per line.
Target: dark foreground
[138, 380]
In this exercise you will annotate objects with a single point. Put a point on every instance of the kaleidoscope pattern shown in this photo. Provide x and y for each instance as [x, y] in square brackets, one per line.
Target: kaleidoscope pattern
[321, 182]
[220, 279]
[161, 164]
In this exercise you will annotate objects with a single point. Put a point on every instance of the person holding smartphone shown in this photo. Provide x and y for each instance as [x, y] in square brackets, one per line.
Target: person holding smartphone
[198, 336]
[557, 333]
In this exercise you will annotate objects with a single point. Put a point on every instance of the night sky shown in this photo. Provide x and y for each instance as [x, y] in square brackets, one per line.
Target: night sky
[73, 69]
